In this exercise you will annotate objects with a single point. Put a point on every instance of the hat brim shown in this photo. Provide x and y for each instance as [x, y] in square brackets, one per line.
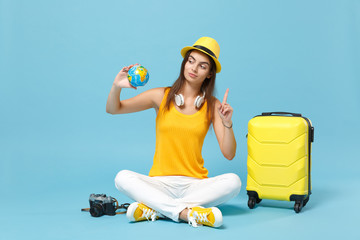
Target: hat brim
[217, 63]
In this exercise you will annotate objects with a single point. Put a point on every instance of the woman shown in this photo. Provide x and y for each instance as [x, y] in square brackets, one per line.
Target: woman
[177, 186]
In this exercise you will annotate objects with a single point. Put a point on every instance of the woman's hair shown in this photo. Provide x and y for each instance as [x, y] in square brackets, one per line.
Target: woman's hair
[208, 86]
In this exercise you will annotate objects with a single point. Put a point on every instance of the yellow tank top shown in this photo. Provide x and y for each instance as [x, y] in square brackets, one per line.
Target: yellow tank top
[179, 141]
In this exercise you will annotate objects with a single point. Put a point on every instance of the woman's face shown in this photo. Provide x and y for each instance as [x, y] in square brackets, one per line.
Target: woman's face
[197, 68]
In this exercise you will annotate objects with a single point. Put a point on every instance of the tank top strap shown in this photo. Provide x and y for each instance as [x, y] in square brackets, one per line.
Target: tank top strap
[163, 101]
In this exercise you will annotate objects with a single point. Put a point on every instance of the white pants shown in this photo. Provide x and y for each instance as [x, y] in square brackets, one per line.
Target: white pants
[169, 195]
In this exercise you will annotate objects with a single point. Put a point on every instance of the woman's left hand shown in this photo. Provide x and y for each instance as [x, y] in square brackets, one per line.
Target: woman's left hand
[225, 111]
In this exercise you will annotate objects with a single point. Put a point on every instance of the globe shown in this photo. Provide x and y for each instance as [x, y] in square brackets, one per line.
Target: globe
[138, 76]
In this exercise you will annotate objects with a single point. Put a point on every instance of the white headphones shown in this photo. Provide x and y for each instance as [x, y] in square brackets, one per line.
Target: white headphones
[179, 100]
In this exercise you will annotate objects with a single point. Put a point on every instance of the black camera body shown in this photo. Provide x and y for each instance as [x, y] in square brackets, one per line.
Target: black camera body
[101, 205]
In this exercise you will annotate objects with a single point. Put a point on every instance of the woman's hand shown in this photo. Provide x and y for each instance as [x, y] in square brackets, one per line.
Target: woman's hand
[223, 128]
[121, 79]
[226, 111]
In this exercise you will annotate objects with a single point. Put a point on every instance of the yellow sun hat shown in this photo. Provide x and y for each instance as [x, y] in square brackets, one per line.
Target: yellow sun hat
[207, 45]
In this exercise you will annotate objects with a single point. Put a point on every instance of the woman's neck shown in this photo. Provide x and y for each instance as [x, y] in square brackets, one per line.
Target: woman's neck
[190, 91]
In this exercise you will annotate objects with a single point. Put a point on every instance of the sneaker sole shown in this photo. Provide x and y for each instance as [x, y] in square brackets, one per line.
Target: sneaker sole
[131, 209]
[218, 217]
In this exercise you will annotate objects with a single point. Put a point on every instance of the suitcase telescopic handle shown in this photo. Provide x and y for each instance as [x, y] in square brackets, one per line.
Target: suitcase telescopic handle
[280, 113]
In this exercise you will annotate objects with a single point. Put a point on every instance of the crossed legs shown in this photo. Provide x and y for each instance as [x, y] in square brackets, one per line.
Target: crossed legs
[173, 195]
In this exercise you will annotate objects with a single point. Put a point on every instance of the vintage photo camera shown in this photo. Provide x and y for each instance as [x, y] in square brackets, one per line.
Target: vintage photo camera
[100, 204]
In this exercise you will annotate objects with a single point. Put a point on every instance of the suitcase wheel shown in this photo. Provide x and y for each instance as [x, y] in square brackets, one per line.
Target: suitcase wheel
[298, 206]
[252, 201]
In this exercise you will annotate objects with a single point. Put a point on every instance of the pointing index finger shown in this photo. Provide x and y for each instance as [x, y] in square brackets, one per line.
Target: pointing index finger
[225, 96]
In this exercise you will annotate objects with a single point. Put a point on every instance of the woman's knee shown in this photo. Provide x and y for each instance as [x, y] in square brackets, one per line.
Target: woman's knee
[233, 183]
[122, 179]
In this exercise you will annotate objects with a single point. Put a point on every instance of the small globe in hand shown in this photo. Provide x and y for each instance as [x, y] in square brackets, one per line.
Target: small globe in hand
[138, 76]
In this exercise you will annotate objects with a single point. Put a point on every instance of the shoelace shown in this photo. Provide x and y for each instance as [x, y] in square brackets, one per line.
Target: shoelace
[149, 214]
[201, 217]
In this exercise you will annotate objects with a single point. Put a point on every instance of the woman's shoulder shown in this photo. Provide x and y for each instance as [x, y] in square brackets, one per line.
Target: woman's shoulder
[159, 91]
[216, 101]
[157, 94]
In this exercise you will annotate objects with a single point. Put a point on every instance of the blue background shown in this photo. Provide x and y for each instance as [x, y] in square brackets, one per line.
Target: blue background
[58, 60]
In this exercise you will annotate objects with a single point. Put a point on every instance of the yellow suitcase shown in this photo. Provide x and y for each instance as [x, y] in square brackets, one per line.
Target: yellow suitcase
[279, 158]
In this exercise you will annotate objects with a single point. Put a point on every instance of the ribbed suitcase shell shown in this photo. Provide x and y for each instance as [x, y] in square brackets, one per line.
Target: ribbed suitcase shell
[279, 158]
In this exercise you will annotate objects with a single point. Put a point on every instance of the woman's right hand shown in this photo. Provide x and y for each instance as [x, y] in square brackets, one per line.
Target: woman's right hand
[121, 79]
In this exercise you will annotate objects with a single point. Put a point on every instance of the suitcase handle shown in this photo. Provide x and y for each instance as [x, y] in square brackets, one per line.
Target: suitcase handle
[280, 113]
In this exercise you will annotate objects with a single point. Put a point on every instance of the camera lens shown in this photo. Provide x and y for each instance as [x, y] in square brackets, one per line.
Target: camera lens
[96, 210]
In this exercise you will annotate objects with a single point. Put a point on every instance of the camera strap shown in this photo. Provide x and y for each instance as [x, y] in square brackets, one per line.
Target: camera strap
[123, 212]
[117, 207]
[102, 205]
